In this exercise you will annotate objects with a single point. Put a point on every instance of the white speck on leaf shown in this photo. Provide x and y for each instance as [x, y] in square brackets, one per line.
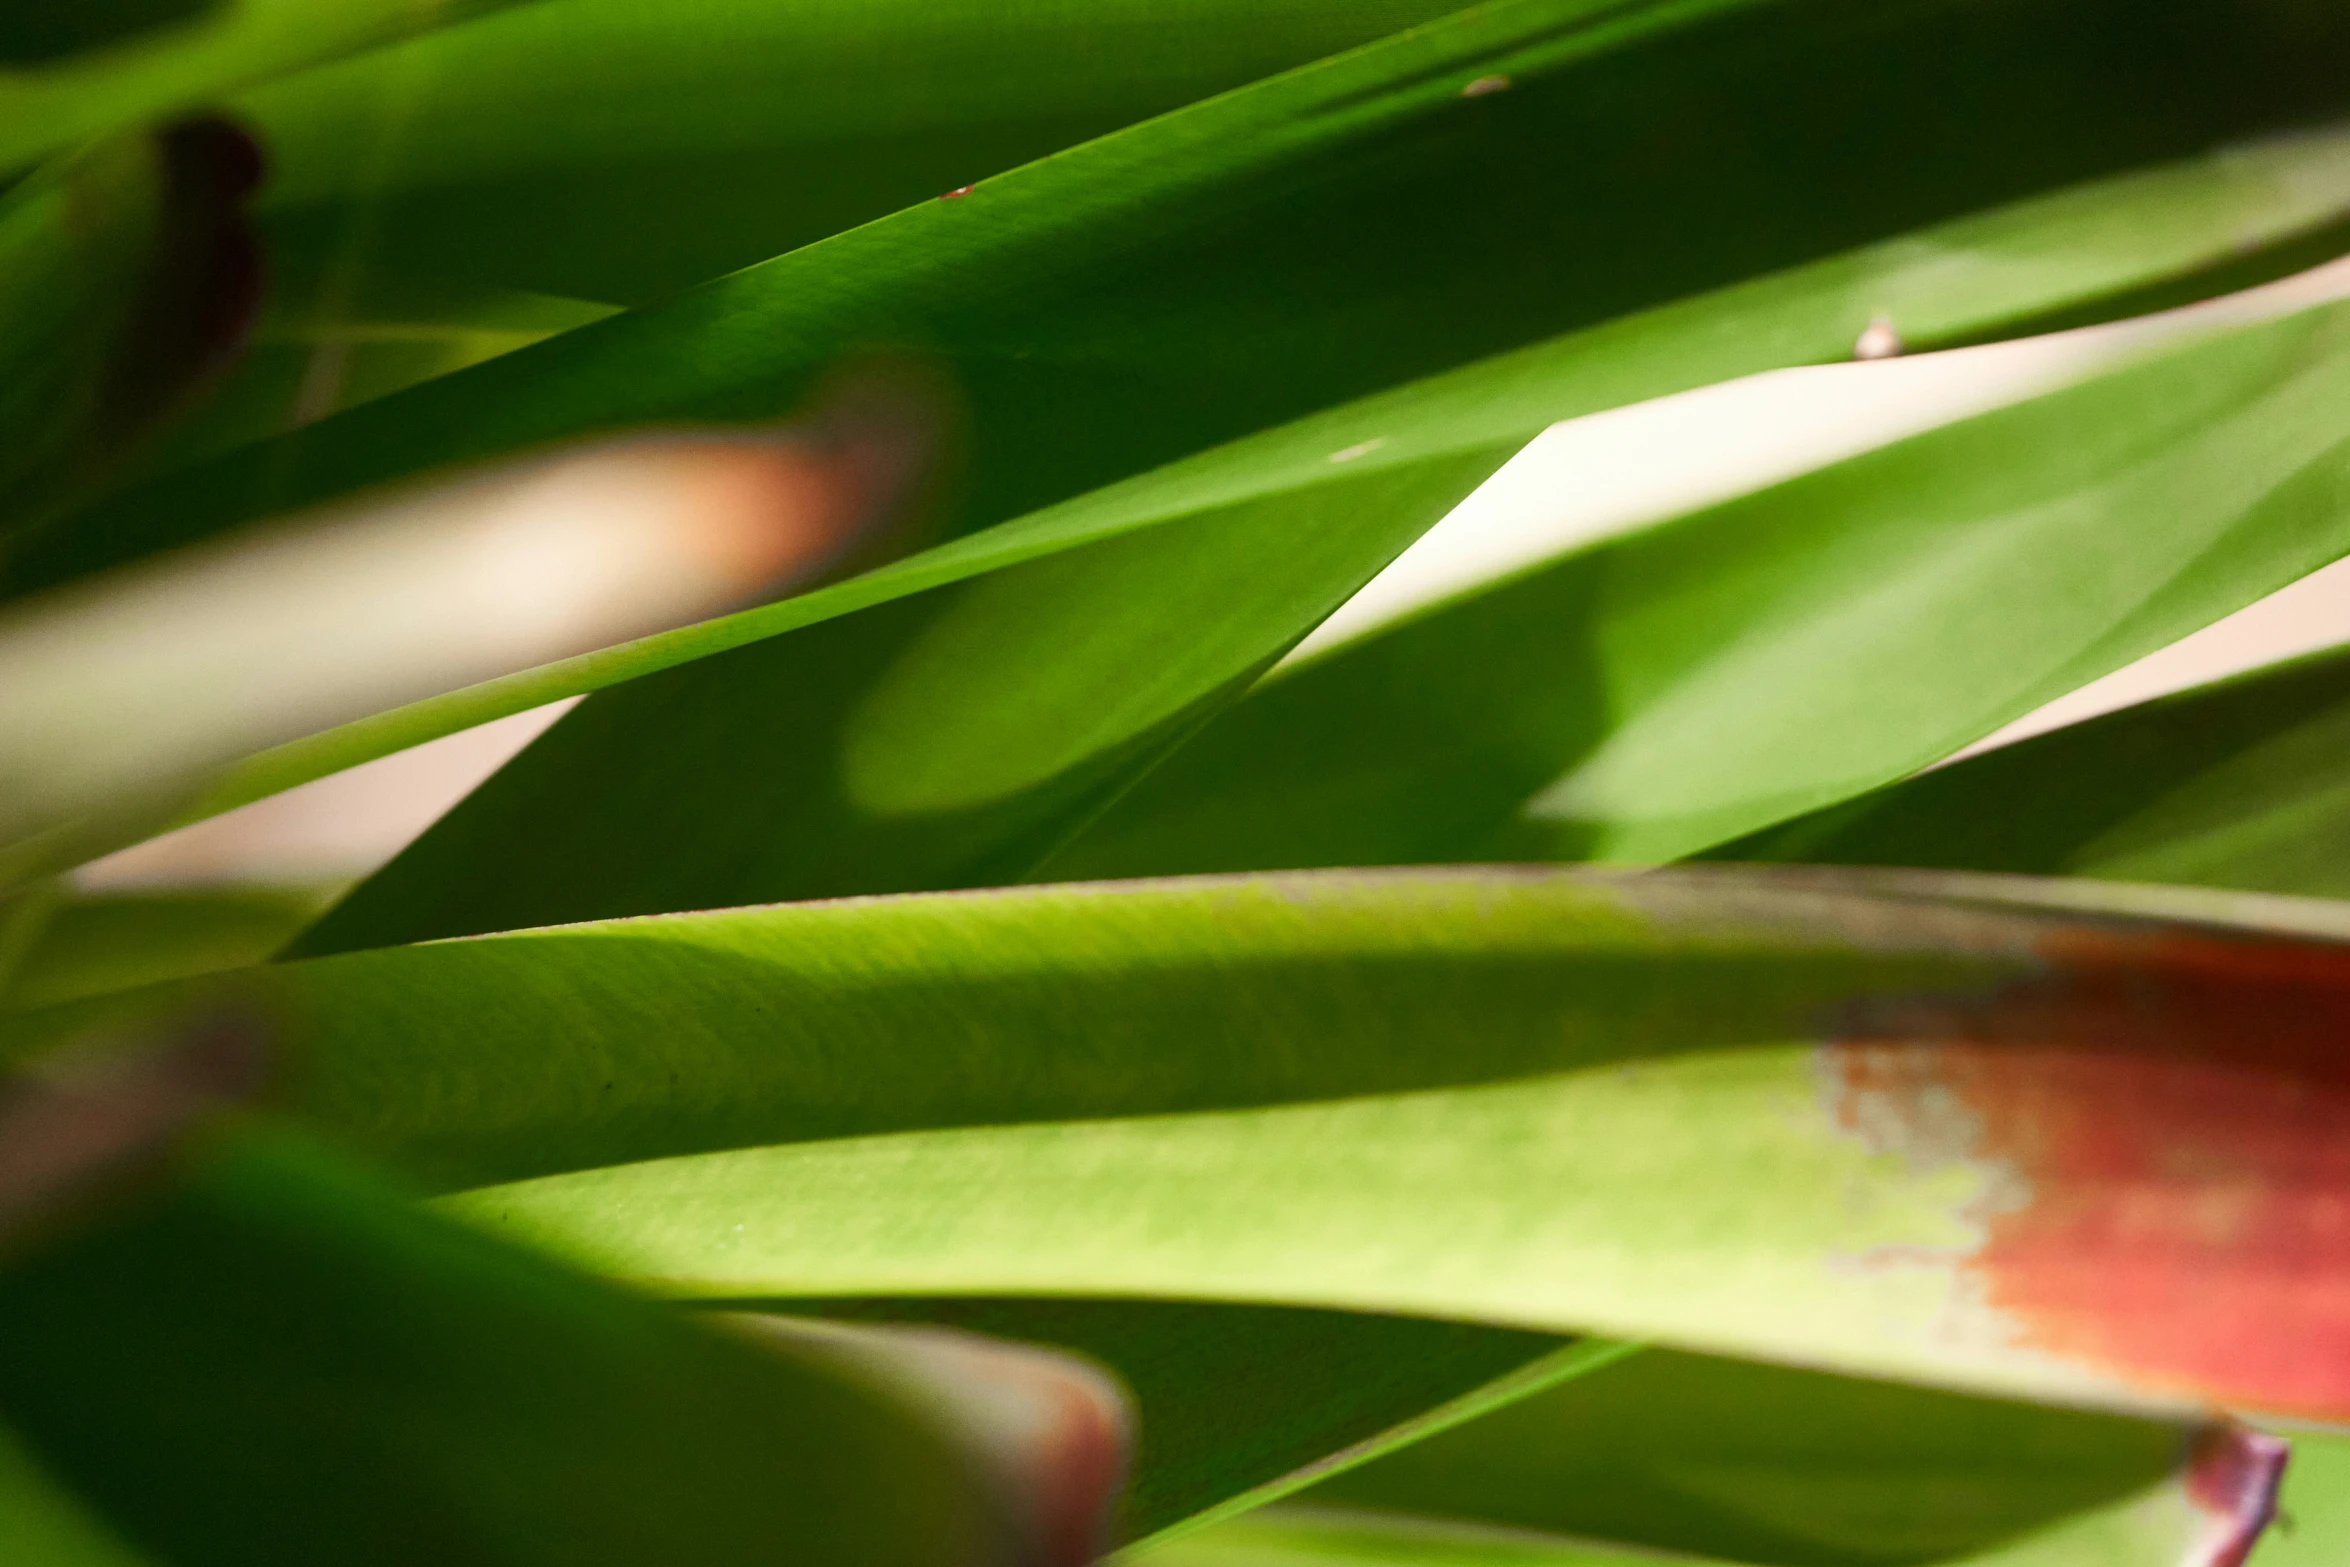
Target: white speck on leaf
[1485, 84]
[1359, 449]
[1879, 340]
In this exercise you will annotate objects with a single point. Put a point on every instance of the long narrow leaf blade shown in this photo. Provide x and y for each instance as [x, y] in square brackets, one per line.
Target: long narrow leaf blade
[1870, 1125]
[2239, 784]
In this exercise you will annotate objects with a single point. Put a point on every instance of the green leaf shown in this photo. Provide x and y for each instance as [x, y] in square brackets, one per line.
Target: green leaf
[1869, 1124]
[724, 133]
[43, 1526]
[2173, 1522]
[98, 942]
[2236, 784]
[1641, 698]
[1858, 1162]
[1236, 1405]
[884, 752]
[118, 696]
[127, 279]
[70, 72]
[1349, 226]
[263, 1349]
[1768, 1464]
[2313, 1518]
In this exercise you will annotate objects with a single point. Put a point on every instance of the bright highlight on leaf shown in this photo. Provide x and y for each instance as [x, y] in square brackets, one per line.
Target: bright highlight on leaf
[116, 695]
[804, 1107]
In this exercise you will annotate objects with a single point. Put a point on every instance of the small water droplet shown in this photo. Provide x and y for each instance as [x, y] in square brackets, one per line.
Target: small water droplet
[1485, 84]
[959, 190]
[1879, 341]
[1359, 449]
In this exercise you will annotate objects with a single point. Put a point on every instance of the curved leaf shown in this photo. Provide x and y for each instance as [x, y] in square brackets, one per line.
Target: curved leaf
[1870, 1125]
[1237, 1405]
[951, 739]
[2237, 784]
[1767, 1464]
[725, 133]
[1931, 1182]
[1349, 226]
[1641, 698]
[245, 1348]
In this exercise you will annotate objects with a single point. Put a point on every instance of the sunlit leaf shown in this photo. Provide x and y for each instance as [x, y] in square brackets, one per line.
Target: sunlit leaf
[2240, 784]
[1867, 1126]
[951, 738]
[1351, 225]
[1648, 695]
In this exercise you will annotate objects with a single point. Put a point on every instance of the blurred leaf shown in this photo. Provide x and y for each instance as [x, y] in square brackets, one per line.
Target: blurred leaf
[98, 942]
[117, 694]
[1768, 1464]
[1644, 696]
[75, 70]
[1352, 225]
[1238, 1404]
[42, 1526]
[127, 280]
[2313, 1522]
[884, 751]
[2169, 1524]
[725, 133]
[304, 364]
[1936, 1180]
[1867, 1123]
[251, 1349]
[2236, 784]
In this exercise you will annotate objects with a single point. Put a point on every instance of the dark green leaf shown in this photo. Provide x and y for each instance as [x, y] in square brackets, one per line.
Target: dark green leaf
[1768, 1464]
[2245, 784]
[724, 133]
[953, 737]
[127, 280]
[249, 1349]
[77, 69]
[1238, 1404]
[1649, 695]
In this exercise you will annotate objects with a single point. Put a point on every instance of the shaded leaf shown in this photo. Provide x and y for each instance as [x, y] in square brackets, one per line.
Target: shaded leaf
[252, 1348]
[1645, 696]
[127, 281]
[1930, 1182]
[1768, 1464]
[2201, 1518]
[70, 72]
[42, 1526]
[98, 942]
[2237, 784]
[1239, 1404]
[1866, 1123]
[1366, 222]
[883, 751]
[726, 133]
